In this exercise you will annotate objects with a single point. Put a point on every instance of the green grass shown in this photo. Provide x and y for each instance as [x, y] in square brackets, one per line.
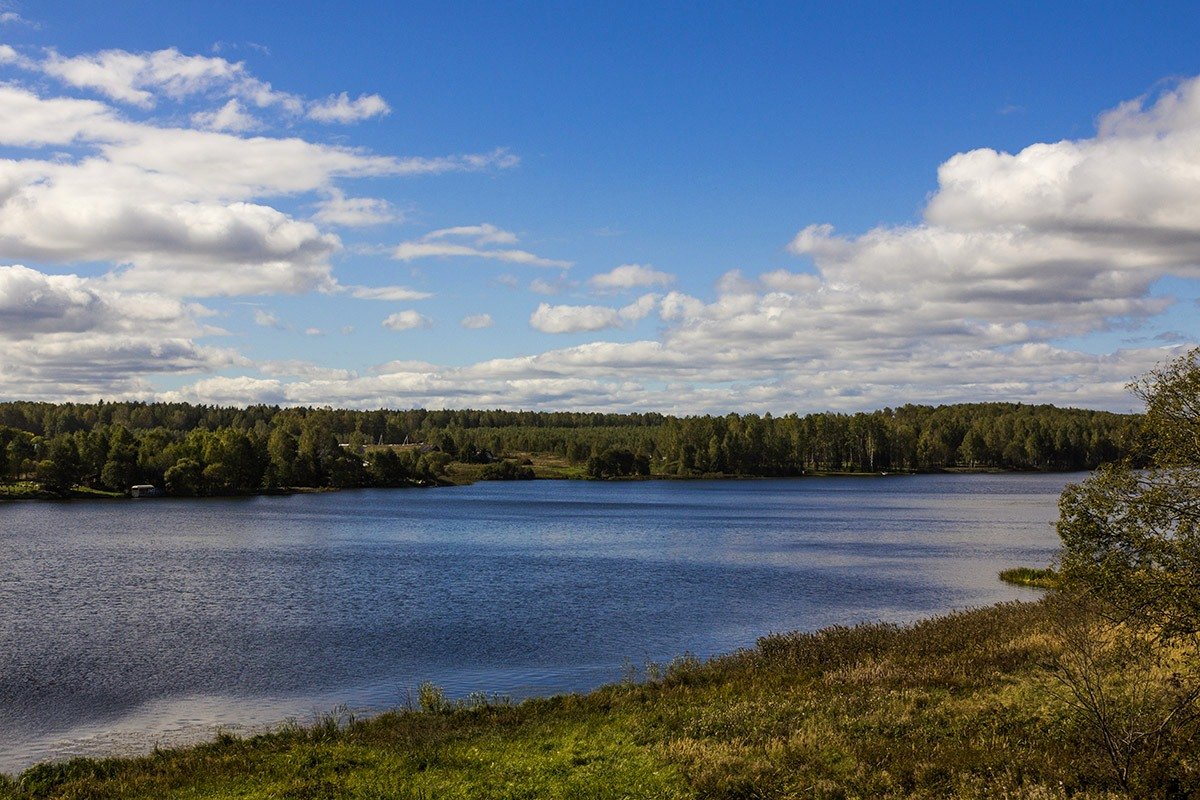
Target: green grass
[29, 490]
[1028, 576]
[552, 467]
[21, 490]
[958, 706]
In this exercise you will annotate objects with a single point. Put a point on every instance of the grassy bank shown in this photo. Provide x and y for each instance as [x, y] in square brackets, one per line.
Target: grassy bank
[961, 705]
[29, 490]
[1040, 578]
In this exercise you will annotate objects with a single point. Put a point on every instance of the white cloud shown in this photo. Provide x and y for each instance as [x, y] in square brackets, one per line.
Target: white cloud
[355, 212]
[266, 319]
[477, 321]
[406, 321]
[782, 280]
[136, 77]
[68, 336]
[639, 309]
[221, 390]
[573, 319]
[340, 108]
[1016, 256]
[229, 117]
[552, 287]
[482, 237]
[389, 293]
[481, 234]
[295, 368]
[578, 319]
[175, 206]
[630, 276]
[734, 282]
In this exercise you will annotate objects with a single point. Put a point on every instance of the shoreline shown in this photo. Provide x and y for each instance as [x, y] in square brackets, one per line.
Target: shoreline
[226, 733]
[863, 696]
[84, 493]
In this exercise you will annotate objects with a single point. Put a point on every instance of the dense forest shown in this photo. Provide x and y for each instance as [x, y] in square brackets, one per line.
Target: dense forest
[198, 449]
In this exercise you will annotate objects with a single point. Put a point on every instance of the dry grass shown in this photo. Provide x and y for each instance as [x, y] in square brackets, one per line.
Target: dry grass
[959, 706]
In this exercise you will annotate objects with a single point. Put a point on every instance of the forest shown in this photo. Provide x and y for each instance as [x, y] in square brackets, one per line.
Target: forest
[203, 450]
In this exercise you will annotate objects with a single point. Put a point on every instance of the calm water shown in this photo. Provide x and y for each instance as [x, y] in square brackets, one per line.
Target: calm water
[127, 624]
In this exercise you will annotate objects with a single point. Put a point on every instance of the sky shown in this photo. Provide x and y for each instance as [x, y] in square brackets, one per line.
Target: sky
[686, 208]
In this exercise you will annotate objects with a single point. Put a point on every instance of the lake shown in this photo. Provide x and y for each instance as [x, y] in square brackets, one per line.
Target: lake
[129, 624]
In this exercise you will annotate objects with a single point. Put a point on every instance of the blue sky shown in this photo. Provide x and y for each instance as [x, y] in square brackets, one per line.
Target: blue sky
[609, 206]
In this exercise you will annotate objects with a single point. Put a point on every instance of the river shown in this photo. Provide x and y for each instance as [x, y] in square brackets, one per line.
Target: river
[130, 624]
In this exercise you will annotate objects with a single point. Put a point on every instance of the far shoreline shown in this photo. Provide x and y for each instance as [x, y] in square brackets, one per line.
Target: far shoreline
[26, 490]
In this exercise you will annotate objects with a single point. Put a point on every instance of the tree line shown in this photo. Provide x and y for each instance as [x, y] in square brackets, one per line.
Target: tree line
[199, 449]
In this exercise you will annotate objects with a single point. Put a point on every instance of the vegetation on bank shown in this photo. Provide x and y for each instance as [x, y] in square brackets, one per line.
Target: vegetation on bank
[957, 706]
[203, 450]
[1044, 578]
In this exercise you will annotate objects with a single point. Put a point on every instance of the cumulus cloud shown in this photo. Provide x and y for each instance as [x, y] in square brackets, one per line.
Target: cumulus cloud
[141, 79]
[481, 241]
[162, 207]
[639, 309]
[136, 78]
[178, 209]
[577, 319]
[69, 336]
[229, 117]
[341, 108]
[477, 321]
[406, 321]
[782, 280]
[630, 276]
[1016, 256]
[573, 319]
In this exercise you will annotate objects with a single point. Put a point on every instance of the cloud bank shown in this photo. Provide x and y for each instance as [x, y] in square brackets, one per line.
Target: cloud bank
[117, 223]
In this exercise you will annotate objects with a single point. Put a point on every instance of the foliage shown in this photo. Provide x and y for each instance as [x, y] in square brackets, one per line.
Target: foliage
[115, 445]
[1044, 578]
[1131, 565]
[617, 462]
[1136, 701]
[1130, 536]
[506, 470]
[432, 699]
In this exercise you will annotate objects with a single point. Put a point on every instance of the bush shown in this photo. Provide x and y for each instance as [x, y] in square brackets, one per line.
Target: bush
[506, 471]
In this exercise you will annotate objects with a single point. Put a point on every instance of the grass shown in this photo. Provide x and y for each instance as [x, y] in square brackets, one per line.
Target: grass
[957, 706]
[550, 466]
[30, 490]
[20, 490]
[1029, 576]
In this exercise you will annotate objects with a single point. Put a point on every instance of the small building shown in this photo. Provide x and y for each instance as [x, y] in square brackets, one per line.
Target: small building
[145, 490]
